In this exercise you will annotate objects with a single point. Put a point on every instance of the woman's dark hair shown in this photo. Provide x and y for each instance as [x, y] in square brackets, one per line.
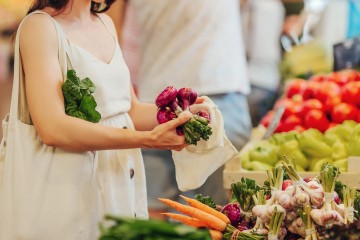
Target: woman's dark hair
[59, 5]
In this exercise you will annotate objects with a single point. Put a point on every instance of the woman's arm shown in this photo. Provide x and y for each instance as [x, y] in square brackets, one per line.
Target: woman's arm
[39, 51]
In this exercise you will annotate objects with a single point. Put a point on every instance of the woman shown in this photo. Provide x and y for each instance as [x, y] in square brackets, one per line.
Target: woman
[73, 197]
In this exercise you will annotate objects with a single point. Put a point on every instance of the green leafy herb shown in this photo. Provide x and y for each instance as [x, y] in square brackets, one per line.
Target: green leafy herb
[79, 101]
[243, 191]
[206, 200]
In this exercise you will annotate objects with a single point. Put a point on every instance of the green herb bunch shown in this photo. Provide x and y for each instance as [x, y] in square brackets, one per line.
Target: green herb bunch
[79, 101]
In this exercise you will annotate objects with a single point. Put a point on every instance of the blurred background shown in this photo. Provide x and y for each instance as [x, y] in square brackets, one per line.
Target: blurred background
[284, 39]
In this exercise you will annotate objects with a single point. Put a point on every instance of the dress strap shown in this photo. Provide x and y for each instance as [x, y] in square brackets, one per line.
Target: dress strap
[113, 34]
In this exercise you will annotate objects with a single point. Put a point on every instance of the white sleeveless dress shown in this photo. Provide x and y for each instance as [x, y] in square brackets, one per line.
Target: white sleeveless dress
[117, 177]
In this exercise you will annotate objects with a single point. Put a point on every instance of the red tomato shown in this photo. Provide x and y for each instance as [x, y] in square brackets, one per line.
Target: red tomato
[294, 87]
[350, 93]
[265, 121]
[290, 122]
[358, 118]
[330, 102]
[291, 108]
[327, 89]
[279, 128]
[320, 78]
[311, 104]
[344, 111]
[345, 76]
[299, 128]
[298, 98]
[316, 119]
[310, 89]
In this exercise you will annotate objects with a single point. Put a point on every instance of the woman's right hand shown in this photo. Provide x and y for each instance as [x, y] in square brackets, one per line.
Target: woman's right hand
[164, 135]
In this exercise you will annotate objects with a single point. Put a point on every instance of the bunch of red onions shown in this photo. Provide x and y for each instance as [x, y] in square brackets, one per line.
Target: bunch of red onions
[172, 102]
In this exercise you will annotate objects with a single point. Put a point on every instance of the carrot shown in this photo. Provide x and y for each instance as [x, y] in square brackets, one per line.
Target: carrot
[190, 221]
[215, 235]
[199, 205]
[210, 220]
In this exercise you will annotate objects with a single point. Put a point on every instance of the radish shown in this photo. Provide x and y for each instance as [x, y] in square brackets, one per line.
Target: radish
[172, 103]
[186, 97]
[165, 114]
[166, 97]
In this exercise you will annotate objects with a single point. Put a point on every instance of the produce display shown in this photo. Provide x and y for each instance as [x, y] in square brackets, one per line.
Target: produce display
[172, 102]
[285, 206]
[321, 102]
[310, 148]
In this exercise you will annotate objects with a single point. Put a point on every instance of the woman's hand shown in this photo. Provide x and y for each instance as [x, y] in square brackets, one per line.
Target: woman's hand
[164, 135]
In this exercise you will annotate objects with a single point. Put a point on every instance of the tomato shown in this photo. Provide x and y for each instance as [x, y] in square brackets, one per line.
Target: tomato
[350, 93]
[332, 124]
[316, 119]
[320, 78]
[344, 111]
[295, 86]
[327, 89]
[291, 108]
[330, 102]
[310, 89]
[299, 128]
[344, 76]
[265, 121]
[311, 104]
[290, 122]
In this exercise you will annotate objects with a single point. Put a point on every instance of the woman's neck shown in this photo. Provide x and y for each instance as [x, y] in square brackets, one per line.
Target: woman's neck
[76, 10]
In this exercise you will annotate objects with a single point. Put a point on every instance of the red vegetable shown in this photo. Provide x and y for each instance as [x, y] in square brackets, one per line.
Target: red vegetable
[295, 87]
[232, 211]
[166, 97]
[204, 114]
[350, 93]
[164, 115]
[310, 89]
[311, 104]
[186, 97]
[265, 121]
[316, 119]
[344, 111]
[327, 89]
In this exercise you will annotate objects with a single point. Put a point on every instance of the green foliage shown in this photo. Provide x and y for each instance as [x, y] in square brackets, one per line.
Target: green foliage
[79, 101]
[206, 200]
[116, 228]
[243, 191]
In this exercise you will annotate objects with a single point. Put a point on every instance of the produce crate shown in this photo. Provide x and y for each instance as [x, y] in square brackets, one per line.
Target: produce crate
[233, 171]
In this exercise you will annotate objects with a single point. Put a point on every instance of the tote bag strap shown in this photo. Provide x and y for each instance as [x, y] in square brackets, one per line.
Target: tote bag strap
[18, 90]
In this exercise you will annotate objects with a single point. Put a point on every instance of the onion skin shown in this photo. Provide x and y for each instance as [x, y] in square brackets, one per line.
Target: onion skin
[166, 97]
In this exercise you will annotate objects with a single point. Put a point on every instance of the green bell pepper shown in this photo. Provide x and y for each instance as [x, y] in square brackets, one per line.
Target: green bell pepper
[291, 150]
[259, 166]
[264, 152]
[279, 138]
[339, 150]
[341, 131]
[354, 142]
[313, 133]
[245, 160]
[313, 147]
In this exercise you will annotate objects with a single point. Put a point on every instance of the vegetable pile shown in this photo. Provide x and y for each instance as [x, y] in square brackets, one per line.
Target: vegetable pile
[321, 102]
[172, 102]
[310, 148]
[284, 207]
[79, 101]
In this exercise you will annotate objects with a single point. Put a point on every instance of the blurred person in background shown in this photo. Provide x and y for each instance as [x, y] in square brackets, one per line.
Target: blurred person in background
[263, 21]
[195, 44]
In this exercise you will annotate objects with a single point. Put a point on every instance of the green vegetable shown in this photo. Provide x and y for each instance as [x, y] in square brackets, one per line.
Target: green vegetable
[206, 200]
[264, 152]
[311, 145]
[342, 164]
[313, 133]
[339, 186]
[339, 149]
[136, 229]
[316, 163]
[279, 138]
[328, 177]
[245, 160]
[341, 131]
[258, 166]
[243, 191]
[291, 150]
[354, 142]
[79, 101]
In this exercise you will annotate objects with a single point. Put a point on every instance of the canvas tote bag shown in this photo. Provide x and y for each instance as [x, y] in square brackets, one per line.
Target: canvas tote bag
[45, 192]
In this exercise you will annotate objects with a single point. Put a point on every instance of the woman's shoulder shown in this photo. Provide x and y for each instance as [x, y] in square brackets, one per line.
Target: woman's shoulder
[38, 26]
[108, 21]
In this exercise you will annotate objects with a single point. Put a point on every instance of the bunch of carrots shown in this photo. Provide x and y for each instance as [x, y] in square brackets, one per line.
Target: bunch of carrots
[200, 215]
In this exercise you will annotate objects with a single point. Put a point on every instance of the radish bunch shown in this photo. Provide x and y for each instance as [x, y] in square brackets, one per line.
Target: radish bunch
[172, 102]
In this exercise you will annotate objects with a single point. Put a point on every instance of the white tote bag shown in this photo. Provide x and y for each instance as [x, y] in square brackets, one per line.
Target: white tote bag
[45, 192]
